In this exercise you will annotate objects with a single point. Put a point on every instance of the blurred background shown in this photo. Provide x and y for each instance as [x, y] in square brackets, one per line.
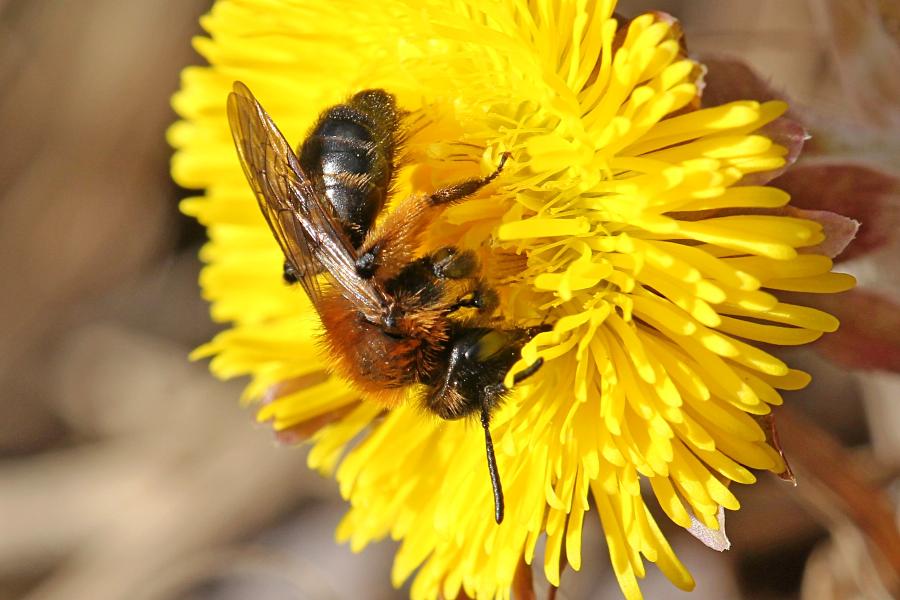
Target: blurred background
[128, 472]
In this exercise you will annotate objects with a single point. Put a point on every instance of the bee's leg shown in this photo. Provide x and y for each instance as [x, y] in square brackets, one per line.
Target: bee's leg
[382, 245]
[452, 263]
[466, 188]
[497, 390]
[478, 360]
[527, 371]
[482, 298]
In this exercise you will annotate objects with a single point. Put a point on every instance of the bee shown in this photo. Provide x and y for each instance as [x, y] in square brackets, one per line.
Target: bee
[392, 316]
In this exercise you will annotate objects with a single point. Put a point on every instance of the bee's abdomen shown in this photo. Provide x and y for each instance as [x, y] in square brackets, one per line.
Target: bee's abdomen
[349, 153]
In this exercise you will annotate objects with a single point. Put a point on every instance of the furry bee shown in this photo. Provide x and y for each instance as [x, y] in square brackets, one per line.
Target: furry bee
[392, 318]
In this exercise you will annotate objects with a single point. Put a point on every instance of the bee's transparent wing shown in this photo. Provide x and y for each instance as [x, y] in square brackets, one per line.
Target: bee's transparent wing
[302, 221]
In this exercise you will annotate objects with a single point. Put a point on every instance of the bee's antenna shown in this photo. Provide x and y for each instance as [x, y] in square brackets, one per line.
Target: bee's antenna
[492, 466]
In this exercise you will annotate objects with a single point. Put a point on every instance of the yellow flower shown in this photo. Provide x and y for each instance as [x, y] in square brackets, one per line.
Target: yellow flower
[642, 249]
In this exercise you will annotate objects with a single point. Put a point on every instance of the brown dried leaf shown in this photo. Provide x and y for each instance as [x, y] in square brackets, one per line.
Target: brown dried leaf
[863, 193]
[869, 336]
[787, 132]
[839, 230]
[523, 584]
[303, 431]
[728, 80]
[289, 386]
[767, 422]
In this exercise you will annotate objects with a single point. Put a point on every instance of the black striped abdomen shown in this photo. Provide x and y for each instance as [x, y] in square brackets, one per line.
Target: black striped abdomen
[349, 154]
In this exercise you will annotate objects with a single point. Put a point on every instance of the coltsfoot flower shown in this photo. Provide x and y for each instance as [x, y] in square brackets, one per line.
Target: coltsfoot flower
[644, 236]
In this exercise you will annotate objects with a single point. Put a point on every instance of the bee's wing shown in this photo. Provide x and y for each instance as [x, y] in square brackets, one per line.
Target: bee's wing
[302, 220]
